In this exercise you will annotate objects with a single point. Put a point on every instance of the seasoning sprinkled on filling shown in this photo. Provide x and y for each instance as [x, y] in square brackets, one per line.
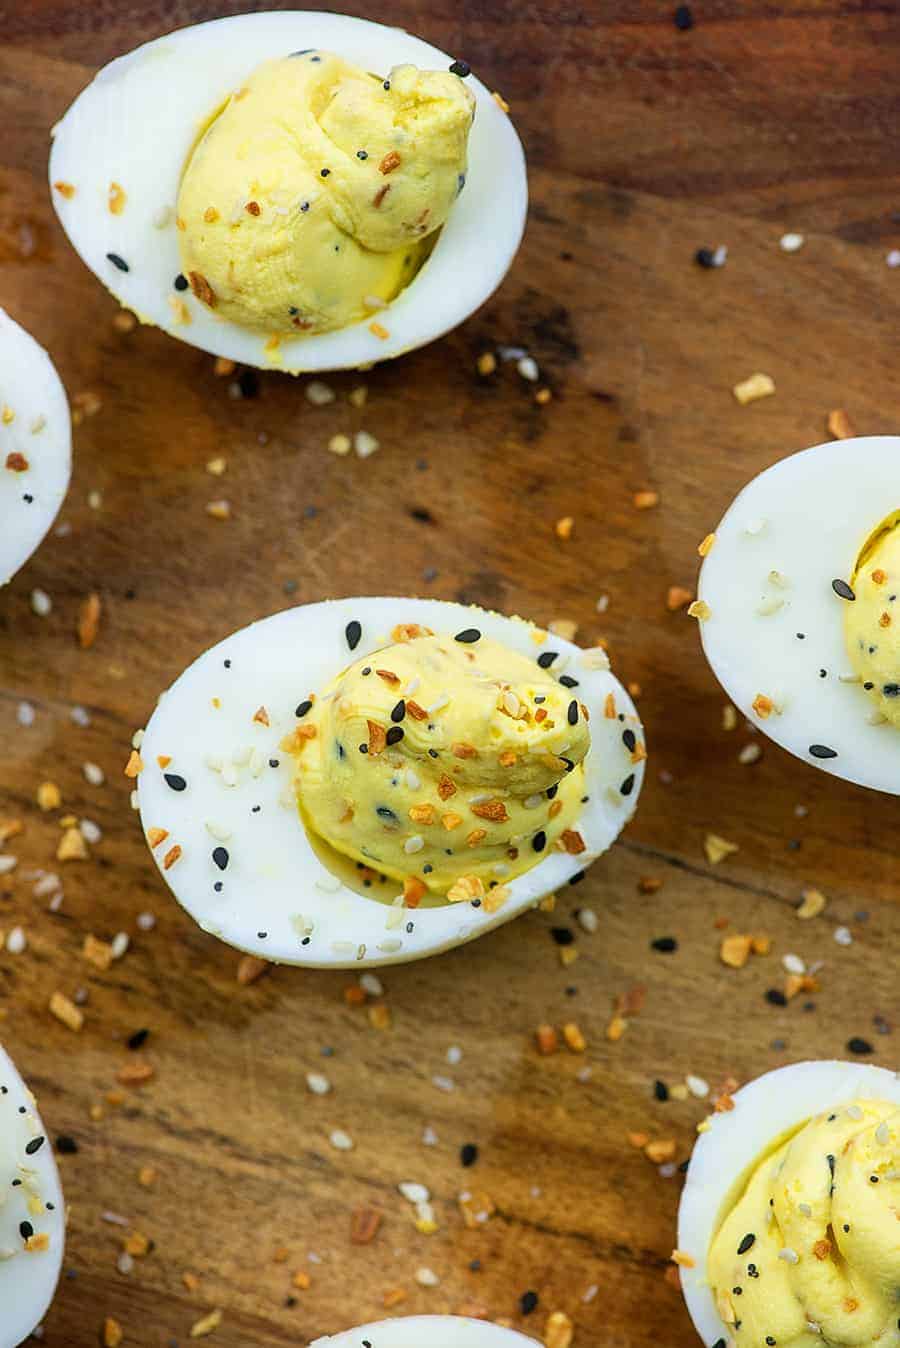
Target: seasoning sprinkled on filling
[871, 636]
[470, 765]
[321, 241]
[823, 1233]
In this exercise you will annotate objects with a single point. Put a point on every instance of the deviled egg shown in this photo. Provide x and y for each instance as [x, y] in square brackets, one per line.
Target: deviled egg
[787, 1230]
[799, 607]
[374, 780]
[302, 191]
[427, 1331]
[35, 445]
[32, 1215]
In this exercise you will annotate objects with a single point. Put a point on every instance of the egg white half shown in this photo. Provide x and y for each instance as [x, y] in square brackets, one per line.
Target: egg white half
[427, 1331]
[136, 123]
[764, 1110]
[274, 882]
[806, 519]
[28, 1278]
[41, 432]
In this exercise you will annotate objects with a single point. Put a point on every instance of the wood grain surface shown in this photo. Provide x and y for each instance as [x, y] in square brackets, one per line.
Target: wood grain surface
[644, 144]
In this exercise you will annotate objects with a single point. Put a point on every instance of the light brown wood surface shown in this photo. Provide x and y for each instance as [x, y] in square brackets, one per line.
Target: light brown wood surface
[644, 144]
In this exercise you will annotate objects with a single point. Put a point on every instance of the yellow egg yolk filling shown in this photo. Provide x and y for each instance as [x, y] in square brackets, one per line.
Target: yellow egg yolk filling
[808, 1256]
[309, 200]
[448, 764]
[872, 618]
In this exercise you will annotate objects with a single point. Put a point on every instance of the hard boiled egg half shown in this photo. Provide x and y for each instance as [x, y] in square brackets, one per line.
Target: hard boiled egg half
[427, 1331]
[121, 152]
[787, 1229]
[368, 781]
[35, 445]
[799, 607]
[32, 1215]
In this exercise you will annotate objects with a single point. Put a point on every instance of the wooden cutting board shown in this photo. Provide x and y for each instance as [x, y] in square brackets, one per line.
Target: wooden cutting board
[645, 143]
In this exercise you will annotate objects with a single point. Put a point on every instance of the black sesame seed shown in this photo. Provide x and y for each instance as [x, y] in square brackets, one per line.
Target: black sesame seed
[539, 841]
[364, 748]
[248, 383]
[747, 1243]
[628, 785]
[303, 707]
[572, 713]
[28, 498]
[173, 780]
[873, 1179]
[26, 1230]
[776, 997]
[324, 172]
[705, 257]
[891, 690]
[546, 658]
[118, 262]
[770, 1341]
[528, 1302]
[752, 1271]
[66, 1145]
[218, 887]
[720, 1343]
[399, 711]
[860, 1046]
[273, 762]
[551, 791]
[846, 1228]
[461, 68]
[567, 681]
[394, 735]
[842, 590]
[830, 1160]
[684, 19]
[353, 632]
[362, 154]
[385, 812]
[661, 1091]
[468, 1154]
[468, 635]
[570, 766]
[666, 945]
[220, 857]
[138, 1039]
[629, 739]
[181, 282]
[563, 935]
[576, 878]
[822, 751]
[304, 206]
[34, 1145]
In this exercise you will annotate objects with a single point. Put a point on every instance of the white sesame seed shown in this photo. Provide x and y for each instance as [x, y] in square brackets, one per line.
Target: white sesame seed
[134, 801]
[318, 1083]
[114, 1218]
[426, 1278]
[893, 258]
[137, 739]
[91, 832]
[94, 500]
[119, 944]
[217, 830]
[25, 714]
[532, 802]
[584, 1075]
[16, 941]
[602, 603]
[854, 1112]
[668, 1170]
[41, 603]
[588, 919]
[805, 1209]
[38, 424]
[46, 883]
[413, 844]
[883, 1134]
[790, 243]
[751, 753]
[365, 444]
[125, 1263]
[340, 1140]
[146, 921]
[793, 964]
[454, 1055]
[413, 782]
[720, 256]
[697, 1086]
[590, 1294]
[7, 864]
[56, 901]
[319, 394]
[443, 1083]
[389, 947]
[93, 773]
[371, 984]
[80, 715]
[161, 217]
[528, 368]
[843, 936]
[789, 1256]
[429, 1137]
